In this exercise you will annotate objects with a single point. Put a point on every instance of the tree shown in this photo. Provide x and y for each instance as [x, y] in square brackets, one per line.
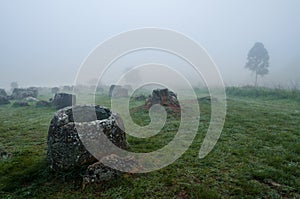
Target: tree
[258, 60]
[14, 85]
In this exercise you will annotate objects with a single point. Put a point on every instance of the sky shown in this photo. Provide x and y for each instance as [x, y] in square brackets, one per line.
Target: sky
[43, 43]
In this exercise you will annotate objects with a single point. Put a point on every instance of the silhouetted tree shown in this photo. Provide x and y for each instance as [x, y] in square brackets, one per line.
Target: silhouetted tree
[258, 60]
[14, 85]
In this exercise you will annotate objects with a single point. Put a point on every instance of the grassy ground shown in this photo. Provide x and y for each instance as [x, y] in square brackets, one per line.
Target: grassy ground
[257, 155]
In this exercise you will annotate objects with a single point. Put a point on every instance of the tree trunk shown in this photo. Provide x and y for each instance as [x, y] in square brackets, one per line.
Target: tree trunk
[255, 79]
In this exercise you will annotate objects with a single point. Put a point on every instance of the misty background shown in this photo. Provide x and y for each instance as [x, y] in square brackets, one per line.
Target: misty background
[44, 43]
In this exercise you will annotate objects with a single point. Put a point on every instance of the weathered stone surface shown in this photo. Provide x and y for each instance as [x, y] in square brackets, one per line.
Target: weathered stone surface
[20, 104]
[117, 91]
[21, 93]
[43, 103]
[163, 97]
[3, 92]
[62, 100]
[66, 150]
[98, 172]
[54, 90]
[128, 163]
[4, 100]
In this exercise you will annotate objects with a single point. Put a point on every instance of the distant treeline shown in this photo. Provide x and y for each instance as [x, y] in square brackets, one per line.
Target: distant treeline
[251, 91]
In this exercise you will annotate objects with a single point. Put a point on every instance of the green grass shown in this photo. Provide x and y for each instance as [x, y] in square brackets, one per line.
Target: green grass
[257, 155]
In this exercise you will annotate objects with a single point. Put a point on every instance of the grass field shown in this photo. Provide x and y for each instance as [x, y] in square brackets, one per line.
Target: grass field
[257, 155]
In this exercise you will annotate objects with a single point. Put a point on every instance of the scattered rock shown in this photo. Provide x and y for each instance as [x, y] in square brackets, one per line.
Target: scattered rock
[22, 93]
[54, 90]
[4, 100]
[3, 92]
[66, 151]
[31, 99]
[20, 104]
[43, 103]
[68, 88]
[163, 97]
[4, 155]
[62, 100]
[99, 173]
[43, 90]
[207, 99]
[117, 91]
[275, 184]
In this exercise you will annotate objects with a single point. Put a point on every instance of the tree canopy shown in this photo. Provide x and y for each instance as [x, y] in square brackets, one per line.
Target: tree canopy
[14, 85]
[258, 60]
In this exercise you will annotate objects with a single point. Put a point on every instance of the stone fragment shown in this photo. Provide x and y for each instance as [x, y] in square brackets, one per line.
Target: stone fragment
[62, 100]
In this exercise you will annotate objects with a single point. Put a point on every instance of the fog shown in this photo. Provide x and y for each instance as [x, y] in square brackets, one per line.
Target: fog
[44, 43]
